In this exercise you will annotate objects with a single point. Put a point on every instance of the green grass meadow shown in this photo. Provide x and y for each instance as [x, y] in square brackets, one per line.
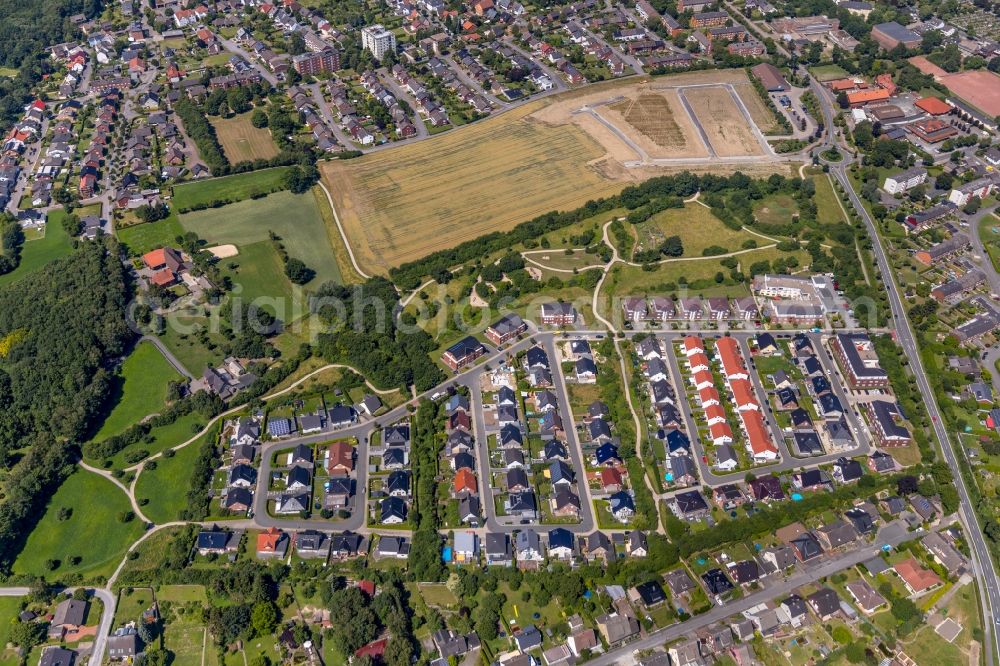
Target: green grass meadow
[92, 532]
[35, 254]
[141, 238]
[143, 389]
[166, 486]
[233, 188]
[295, 218]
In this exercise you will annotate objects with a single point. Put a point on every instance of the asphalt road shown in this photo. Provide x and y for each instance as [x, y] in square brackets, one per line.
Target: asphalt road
[982, 560]
[892, 534]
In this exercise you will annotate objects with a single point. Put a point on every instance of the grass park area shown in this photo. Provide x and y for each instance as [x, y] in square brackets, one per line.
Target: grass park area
[92, 531]
[241, 141]
[400, 205]
[36, 253]
[828, 206]
[295, 218]
[141, 238]
[166, 486]
[699, 273]
[140, 391]
[697, 227]
[230, 188]
[776, 209]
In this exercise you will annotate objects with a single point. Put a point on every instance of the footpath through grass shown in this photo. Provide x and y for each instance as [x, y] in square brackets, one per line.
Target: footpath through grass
[166, 486]
[141, 390]
[92, 532]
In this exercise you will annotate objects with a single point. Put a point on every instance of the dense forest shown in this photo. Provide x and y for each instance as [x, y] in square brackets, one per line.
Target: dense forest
[27, 29]
[60, 329]
[365, 336]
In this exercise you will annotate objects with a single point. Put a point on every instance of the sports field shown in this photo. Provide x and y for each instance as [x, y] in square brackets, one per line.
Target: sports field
[241, 141]
[228, 188]
[141, 390]
[980, 88]
[92, 532]
[723, 122]
[295, 218]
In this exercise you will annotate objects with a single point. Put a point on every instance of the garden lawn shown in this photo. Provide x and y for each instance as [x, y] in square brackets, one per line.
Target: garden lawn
[437, 594]
[295, 218]
[93, 531]
[166, 486]
[35, 254]
[231, 188]
[9, 608]
[131, 603]
[141, 238]
[142, 390]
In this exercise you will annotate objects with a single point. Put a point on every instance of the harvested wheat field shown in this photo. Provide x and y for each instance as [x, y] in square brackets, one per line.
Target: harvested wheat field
[657, 122]
[403, 204]
[723, 122]
[241, 141]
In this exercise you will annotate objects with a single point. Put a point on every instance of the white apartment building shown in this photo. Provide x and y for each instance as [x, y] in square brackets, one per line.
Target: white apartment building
[378, 40]
[906, 180]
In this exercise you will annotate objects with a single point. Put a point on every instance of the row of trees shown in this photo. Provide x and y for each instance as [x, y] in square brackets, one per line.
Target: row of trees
[425, 556]
[203, 135]
[205, 403]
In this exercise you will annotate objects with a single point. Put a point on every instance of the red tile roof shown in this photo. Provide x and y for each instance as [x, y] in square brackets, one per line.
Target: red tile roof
[933, 106]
